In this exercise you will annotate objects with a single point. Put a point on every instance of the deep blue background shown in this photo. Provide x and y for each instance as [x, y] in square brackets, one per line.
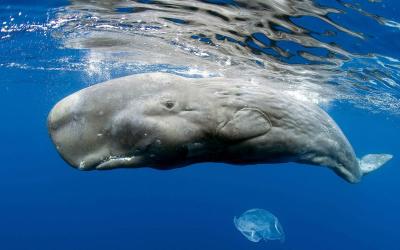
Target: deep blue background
[45, 204]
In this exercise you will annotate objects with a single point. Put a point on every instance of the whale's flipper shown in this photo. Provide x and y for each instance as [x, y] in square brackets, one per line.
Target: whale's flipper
[372, 162]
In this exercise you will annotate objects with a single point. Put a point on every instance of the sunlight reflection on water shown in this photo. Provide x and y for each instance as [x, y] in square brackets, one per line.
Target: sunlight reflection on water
[311, 48]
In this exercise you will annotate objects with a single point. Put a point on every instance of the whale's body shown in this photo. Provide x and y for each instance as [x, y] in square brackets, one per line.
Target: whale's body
[166, 121]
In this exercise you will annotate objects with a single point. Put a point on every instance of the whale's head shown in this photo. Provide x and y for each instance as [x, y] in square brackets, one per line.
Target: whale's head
[129, 122]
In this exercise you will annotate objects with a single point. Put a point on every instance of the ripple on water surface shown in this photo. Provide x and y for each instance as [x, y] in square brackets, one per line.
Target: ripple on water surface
[317, 50]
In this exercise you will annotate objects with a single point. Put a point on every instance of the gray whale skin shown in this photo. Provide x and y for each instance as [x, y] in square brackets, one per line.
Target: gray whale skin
[165, 121]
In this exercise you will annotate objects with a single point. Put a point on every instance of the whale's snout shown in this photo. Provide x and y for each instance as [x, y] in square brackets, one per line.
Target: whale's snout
[77, 139]
[96, 128]
[62, 112]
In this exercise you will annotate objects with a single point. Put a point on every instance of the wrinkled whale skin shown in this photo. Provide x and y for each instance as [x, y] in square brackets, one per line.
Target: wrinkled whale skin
[165, 121]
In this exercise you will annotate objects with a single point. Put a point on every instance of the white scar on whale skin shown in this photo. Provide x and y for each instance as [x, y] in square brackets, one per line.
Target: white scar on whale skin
[165, 121]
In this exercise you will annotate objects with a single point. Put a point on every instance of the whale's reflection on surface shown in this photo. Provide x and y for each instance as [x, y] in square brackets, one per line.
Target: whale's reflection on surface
[318, 50]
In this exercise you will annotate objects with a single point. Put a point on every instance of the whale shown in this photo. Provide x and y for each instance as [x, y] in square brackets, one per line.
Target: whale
[166, 121]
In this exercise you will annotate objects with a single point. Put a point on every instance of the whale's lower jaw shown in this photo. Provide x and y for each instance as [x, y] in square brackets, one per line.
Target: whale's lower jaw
[133, 161]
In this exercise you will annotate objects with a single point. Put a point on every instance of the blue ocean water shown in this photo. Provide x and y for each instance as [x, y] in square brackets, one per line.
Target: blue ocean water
[45, 204]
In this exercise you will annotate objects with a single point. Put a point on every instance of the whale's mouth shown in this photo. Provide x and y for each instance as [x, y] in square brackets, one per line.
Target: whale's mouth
[97, 162]
[118, 162]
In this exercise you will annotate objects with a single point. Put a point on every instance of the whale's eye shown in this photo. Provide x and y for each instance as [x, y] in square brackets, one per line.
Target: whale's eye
[169, 104]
